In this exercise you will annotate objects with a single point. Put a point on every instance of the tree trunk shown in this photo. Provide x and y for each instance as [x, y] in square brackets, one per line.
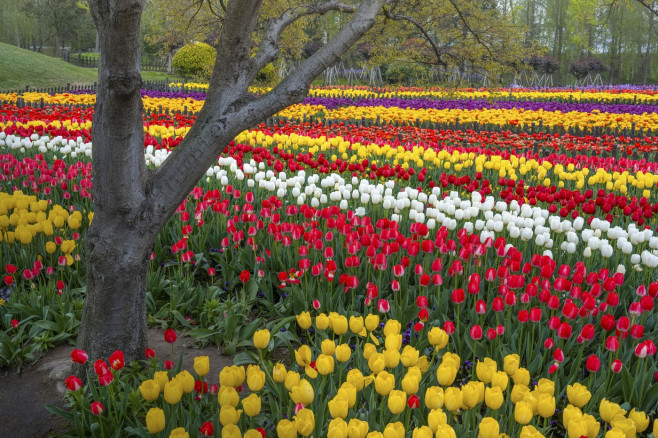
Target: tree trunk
[647, 55]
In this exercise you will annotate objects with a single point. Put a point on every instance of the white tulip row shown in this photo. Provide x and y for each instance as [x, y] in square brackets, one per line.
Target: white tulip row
[43, 144]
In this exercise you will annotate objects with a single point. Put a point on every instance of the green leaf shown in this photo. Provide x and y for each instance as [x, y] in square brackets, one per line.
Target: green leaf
[201, 333]
[245, 358]
[68, 416]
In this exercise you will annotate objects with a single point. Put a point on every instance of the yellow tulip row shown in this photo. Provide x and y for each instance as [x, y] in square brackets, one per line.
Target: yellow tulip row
[23, 217]
[496, 117]
[488, 386]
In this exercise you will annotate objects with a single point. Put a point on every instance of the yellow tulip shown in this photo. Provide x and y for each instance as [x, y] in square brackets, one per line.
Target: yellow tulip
[394, 430]
[279, 373]
[397, 401]
[228, 415]
[201, 365]
[523, 412]
[155, 420]
[436, 418]
[518, 393]
[51, 247]
[410, 383]
[161, 378]
[231, 431]
[593, 426]
[511, 364]
[337, 428]
[376, 362]
[286, 429]
[521, 377]
[262, 338]
[438, 338]
[546, 405]
[368, 350]
[251, 405]
[571, 413]
[304, 320]
[348, 392]
[384, 383]
[356, 324]
[393, 341]
[446, 374]
[303, 393]
[338, 407]
[150, 390]
[173, 392]
[372, 322]
[615, 433]
[640, 419]
[355, 377]
[179, 432]
[252, 433]
[357, 428]
[256, 379]
[655, 427]
[434, 397]
[322, 321]
[409, 356]
[624, 424]
[374, 434]
[488, 428]
[453, 399]
[609, 410]
[343, 353]
[445, 431]
[292, 380]
[423, 432]
[186, 381]
[577, 428]
[328, 347]
[392, 327]
[339, 325]
[303, 356]
[227, 395]
[391, 358]
[305, 422]
[500, 379]
[493, 397]
[530, 432]
[485, 369]
[232, 376]
[545, 386]
[578, 395]
[470, 394]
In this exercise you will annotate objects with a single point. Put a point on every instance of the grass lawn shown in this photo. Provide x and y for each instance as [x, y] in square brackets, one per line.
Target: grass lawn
[20, 68]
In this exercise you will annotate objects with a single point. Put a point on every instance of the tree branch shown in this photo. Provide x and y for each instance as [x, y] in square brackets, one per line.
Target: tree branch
[468, 26]
[269, 47]
[437, 50]
[649, 6]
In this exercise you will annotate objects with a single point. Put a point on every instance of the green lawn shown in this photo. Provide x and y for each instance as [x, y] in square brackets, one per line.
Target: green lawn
[20, 68]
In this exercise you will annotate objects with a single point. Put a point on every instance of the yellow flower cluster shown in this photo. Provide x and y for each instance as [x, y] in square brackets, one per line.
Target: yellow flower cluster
[497, 117]
[73, 125]
[24, 217]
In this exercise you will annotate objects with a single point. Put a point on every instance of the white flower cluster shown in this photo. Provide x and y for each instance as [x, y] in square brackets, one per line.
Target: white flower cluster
[44, 144]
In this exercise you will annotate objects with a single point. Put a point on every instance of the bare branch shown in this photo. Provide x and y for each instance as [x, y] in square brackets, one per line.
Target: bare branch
[438, 51]
[269, 47]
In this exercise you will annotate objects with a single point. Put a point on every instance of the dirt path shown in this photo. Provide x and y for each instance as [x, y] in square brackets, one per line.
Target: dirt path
[23, 396]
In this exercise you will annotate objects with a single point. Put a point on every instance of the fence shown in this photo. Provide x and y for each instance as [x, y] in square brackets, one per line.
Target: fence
[88, 61]
[161, 85]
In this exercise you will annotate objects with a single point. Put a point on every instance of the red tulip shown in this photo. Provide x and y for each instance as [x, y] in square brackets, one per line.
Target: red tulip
[564, 331]
[413, 402]
[607, 322]
[554, 323]
[491, 334]
[73, 383]
[535, 314]
[588, 332]
[500, 330]
[168, 364]
[421, 301]
[207, 429]
[170, 336]
[106, 378]
[616, 366]
[476, 332]
[553, 368]
[623, 324]
[149, 353]
[79, 356]
[480, 307]
[612, 343]
[383, 306]
[498, 304]
[592, 363]
[646, 303]
[449, 327]
[458, 296]
[549, 343]
[97, 408]
[117, 360]
[14, 323]
[244, 276]
[637, 331]
[100, 367]
[558, 355]
[523, 316]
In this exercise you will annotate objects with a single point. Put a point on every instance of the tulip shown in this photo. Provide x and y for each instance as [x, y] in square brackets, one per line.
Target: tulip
[521, 377]
[207, 429]
[261, 338]
[73, 383]
[343, 353]
[578, 395]
[322, 321]
[488, 428]
[523, 412]
[338, 324]
[485, 369]
[348, 392]
[304, 321]
[150, 390]
[493, 397]
[251, 405]
[445, 431]
[305, 422]
[471, 394]
[180, 432]
[355, 377]
[422, 432]
[640, 419]
[356, 324]
[372, 322]
[394, 430]
[337, 428]
[438, 338]
[170, 336]
[173, 392]
[338, 407]
[592, 363]
[577, 428]
[626, 425]
[325, 364]
[396, 401]
[303, 393]
[79, 356]
[303, 356]
[286, 429]
[530, 432]
[97, 408]
[155, 420]
[609, 410]
[436, 418]
[546, 405]
[434, 397]
[201, 365]
[227, 395]
[453, 399]
[384, 383]
[615, 433]
[228, 415]
[186, 381]
[357, 428]
[511, 363]
[446, 374]
[410, 383]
